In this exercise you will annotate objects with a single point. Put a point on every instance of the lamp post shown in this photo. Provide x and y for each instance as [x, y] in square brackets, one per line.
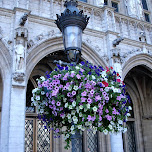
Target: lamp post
[71, 23]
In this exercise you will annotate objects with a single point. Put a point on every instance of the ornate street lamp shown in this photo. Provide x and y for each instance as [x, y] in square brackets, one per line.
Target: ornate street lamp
[71, 23]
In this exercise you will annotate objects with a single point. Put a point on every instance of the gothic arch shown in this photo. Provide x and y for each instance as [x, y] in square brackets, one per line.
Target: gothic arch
[55, 44]
[141, 59]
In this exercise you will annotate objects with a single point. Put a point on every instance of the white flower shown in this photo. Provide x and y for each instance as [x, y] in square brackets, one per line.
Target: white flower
[35, 90]
[106, 89]
[73, 132]
[70, 107]
[77, 67]
[70, 88]
[37, 97]
[41, 110]
[77, 109]
[73, 103]
[42, 78]
[85, 109]
[67, 135]
[128, 114]
[42, 92]
[73, 112]
[66, 105]
[103, 74]
[32, 99]
[112, 123]
[75, 88]
[87, 123]
[80, 114]
[95, 109]
[130, 108]
[83, 129]
[120, 122]
[80, 107]
[79, 126]
[110, 126]
[105, 131]
[69, 120]
[124, 130]
[72, 127]
[115, 90]
[72, 71]
[88, 106]
[69, 116]
[65, 99]
[75, 119]
[93, 77]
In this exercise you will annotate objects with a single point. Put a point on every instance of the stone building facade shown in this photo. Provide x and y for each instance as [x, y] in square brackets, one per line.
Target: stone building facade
[119, 34]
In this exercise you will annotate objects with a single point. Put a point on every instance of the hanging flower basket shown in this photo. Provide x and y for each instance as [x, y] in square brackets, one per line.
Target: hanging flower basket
[81, 97]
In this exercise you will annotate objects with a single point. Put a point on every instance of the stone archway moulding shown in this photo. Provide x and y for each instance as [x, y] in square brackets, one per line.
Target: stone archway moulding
[55, 44]
[141, 59]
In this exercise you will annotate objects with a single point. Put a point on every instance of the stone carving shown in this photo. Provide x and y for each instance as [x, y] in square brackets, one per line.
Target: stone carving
[140, 9]
[30, 43]
[142, 36]
[100, 3]
[20, 56]
[40, 37]
[23, 19]
[88, 41]
[17, 76]
[97, 48]
[117, 41]
[131, 7]
[51, 33]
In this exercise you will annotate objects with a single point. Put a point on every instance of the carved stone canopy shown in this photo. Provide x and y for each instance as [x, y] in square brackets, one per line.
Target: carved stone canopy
[18, 76]
[21, 32]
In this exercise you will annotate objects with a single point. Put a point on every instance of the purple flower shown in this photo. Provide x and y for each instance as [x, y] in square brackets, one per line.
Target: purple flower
[57, 130]
[97, 98]
[93, 118]
[53, 102]
[73, 92]
[72, 75]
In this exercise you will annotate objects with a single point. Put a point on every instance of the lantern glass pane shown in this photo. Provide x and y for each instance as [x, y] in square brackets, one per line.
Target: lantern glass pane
[72, 37]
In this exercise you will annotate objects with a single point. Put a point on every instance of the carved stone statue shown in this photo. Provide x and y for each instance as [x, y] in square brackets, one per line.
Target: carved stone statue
[20, 56]
[117, 65]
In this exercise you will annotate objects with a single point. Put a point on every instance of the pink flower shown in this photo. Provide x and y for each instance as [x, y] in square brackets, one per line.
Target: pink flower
[65, 78]
[73, 93]
[92, 91]
[108, 117]
[114, 111]
[58, 103]
[89, 118]
[72, 75]
[97, 98]
[69, 94]
[93, 118]
[83, 99]
[54, 93]
[107, 111]
[53, 102]
[84, 93]
[89, 100]
[100, 118]
[78, 76]
[81, 70]
[101, 89]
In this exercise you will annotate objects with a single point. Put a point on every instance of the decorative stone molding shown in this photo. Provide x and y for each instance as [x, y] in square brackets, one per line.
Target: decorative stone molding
[142, 36]
[21, 32]
[30, 44]
[18, 76]
[117, 41]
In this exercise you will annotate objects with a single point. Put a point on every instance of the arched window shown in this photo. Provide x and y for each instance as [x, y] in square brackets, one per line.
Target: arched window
[144, 3]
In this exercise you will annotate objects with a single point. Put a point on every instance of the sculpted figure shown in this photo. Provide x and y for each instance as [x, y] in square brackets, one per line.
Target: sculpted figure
[19, 56]
[117, 65]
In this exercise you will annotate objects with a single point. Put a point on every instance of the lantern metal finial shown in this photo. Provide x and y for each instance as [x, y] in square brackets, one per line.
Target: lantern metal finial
[71, 23]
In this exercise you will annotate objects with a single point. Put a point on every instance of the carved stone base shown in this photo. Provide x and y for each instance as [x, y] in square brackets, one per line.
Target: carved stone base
[19, 76]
